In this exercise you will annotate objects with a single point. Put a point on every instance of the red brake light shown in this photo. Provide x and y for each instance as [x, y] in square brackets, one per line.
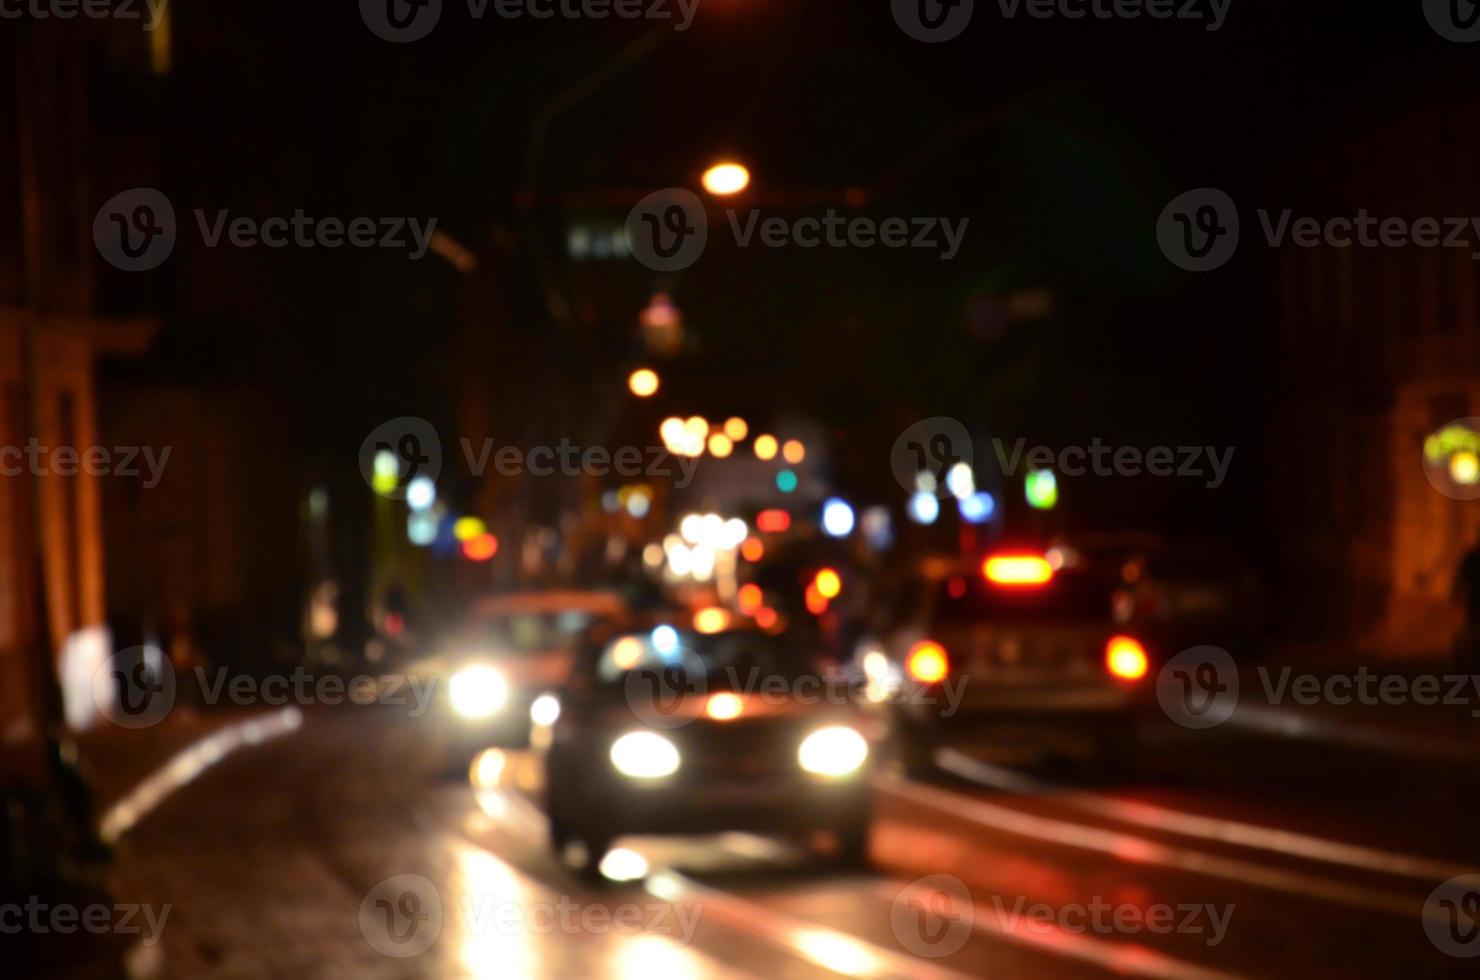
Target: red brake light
[1126, 658]
[1017, 570]
[927, 662]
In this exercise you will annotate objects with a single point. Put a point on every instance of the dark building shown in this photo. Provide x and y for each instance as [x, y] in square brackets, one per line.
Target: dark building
[1374, 348]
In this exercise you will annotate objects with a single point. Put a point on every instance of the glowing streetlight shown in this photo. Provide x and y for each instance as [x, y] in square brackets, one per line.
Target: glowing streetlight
[765, 447]
[724, 179]
[737, 429]
[793, 451]
[643, 383]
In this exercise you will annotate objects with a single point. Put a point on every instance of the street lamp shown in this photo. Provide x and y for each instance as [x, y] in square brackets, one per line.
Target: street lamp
[643, 382]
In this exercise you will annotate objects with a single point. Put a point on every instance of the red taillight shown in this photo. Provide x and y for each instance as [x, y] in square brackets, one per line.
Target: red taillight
[1126, 658]
[1017, 570]
[927, 662]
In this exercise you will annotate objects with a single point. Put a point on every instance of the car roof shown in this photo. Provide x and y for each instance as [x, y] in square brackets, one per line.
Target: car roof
[560, 601]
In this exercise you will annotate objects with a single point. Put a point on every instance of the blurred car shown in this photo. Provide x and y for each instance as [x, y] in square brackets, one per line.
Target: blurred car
[668, 733]
[1188, 596]
[497, 674]
[1020, 634]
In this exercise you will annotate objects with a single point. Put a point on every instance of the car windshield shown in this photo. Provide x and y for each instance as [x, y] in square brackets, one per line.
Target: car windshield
[533, 632]
[726, 660]
[1066, 596]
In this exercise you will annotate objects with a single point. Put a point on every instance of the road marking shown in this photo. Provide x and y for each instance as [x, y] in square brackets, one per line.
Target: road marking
[843, 953]
[1124, 958]
[1194, 825]
[187, 764]
[1143, 850]
[833, 950]
[830, 949]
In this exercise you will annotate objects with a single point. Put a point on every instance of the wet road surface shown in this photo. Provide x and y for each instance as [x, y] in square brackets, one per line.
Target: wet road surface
[344, 847]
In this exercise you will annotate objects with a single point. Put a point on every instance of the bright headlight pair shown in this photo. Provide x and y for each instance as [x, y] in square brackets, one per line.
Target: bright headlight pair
[478, 691]
[834, 751]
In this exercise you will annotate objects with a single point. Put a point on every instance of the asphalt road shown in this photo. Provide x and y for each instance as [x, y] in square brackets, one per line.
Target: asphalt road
[345, 848]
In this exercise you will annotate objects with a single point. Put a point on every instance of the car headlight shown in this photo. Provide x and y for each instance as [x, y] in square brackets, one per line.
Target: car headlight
[478, 692]
[644, 755]
[835, 751]
[545, 710]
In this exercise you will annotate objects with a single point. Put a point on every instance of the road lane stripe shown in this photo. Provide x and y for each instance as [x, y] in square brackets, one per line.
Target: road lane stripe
[1195, 825]
[836, 951]
[187, 764]
[502, 870]
[830, 949]
[1125, 958]
[1142, 850]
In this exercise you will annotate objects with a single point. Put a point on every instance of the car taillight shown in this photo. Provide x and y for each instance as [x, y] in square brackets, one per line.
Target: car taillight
[1017, 570]
[927, 662]
[1126, 658]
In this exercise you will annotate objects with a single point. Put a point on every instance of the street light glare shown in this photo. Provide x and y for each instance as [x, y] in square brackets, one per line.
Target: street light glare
[724, 179]
[643, 383]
